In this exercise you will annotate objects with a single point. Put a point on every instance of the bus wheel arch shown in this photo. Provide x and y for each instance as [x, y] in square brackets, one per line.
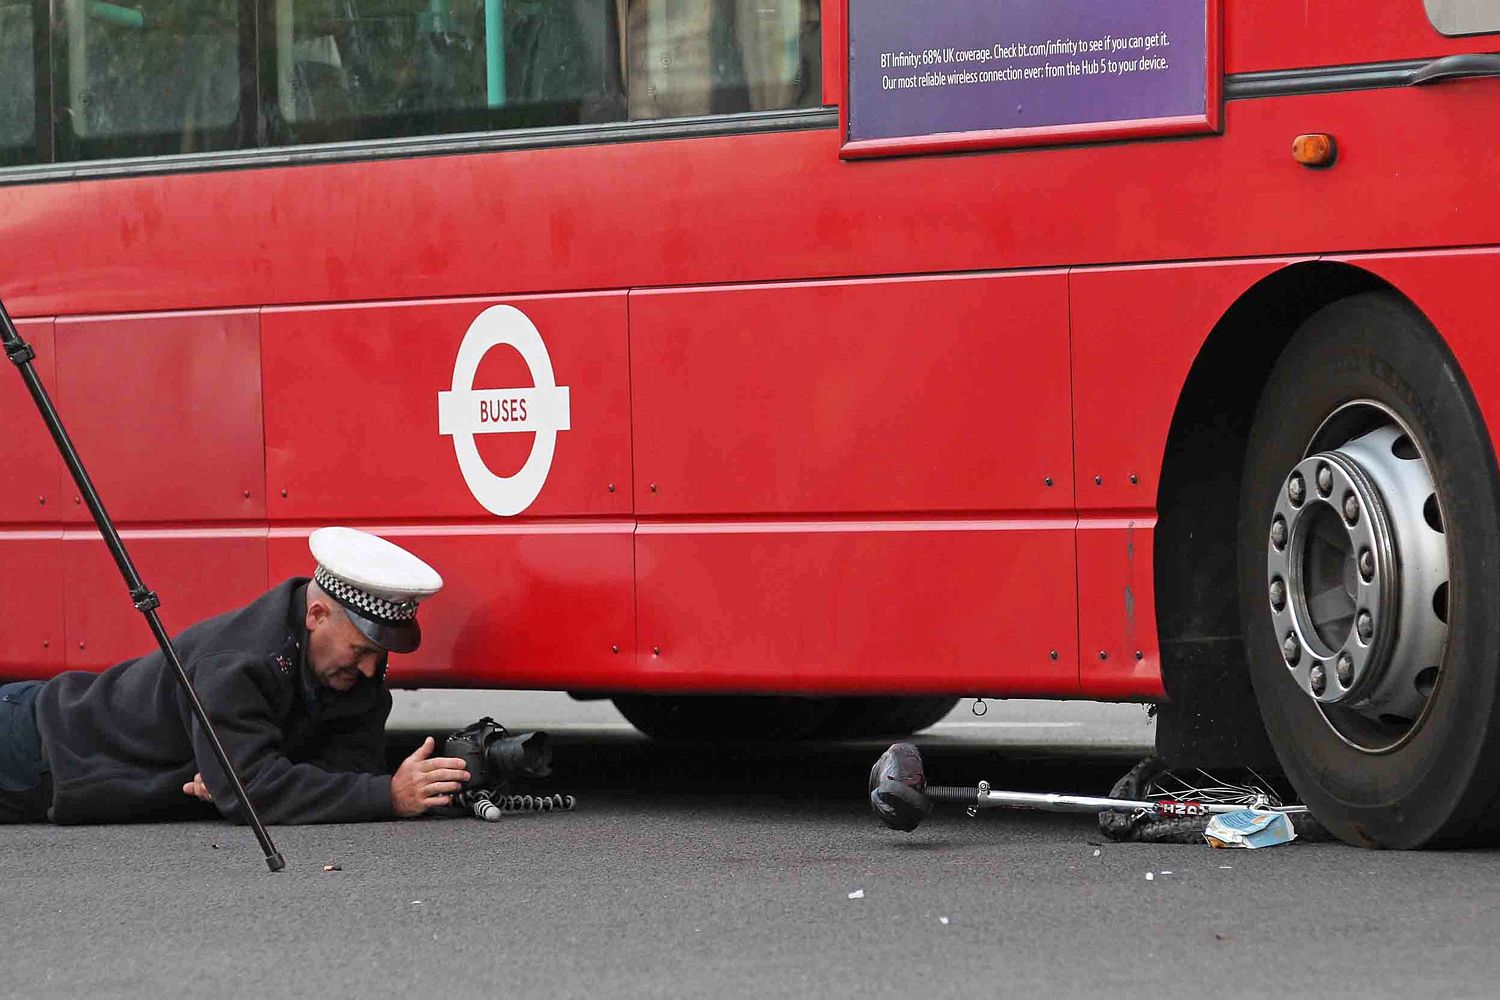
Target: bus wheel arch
[1210, 718]
[1291, 395]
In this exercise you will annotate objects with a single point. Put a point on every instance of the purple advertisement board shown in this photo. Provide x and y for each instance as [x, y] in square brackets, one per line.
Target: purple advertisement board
[922, 68]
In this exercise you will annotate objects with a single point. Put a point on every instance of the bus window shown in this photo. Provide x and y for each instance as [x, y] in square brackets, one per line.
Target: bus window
[1464, 17]
[18, 74]
[701, 57]
[356, 69]
[162, 76]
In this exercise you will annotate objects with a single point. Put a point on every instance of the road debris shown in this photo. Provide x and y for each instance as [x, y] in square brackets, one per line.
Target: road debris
[1149, 804]
[1150, 876]
[1250, 828]
[1175, 807]
[943, 920]
[857, 894]
[333, 868]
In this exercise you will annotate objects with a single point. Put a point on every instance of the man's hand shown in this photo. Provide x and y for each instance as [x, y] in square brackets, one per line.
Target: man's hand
[197, 788]
[424, 781]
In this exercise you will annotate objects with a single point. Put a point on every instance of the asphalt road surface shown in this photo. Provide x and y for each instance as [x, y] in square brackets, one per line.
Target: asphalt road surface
[742, 871]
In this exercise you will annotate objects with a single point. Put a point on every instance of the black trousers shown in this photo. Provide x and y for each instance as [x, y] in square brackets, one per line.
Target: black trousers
[25, 785]
[29, 806]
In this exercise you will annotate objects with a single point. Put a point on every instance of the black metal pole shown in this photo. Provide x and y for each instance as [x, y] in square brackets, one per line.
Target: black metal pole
[146, 602]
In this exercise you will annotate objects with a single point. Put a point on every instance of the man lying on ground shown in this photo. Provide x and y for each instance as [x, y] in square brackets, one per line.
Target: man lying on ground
[294, 684]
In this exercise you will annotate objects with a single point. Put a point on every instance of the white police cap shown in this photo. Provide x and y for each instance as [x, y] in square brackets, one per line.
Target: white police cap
[378, 583]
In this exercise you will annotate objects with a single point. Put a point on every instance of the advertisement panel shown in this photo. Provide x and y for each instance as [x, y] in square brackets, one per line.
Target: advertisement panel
[968, 74]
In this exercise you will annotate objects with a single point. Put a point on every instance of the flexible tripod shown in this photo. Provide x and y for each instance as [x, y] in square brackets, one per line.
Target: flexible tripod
[144, 599]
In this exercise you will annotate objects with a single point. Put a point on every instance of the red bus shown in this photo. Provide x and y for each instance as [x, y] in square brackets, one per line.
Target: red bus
[703, 399]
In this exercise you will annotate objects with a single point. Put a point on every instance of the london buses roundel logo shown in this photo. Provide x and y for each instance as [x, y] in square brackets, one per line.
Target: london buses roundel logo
[465, 411]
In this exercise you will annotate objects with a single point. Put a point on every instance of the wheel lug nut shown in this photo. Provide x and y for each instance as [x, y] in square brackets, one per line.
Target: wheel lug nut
[1325, 480]
[1345, 670]
[1318, 678]
[1296, 489]
[1367, 564]
[1278, 594]
[1291, 649]
[1365, 623]
[1351, 509]
[1278, 532]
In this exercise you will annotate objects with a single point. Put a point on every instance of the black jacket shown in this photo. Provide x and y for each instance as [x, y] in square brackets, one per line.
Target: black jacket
[121, 744]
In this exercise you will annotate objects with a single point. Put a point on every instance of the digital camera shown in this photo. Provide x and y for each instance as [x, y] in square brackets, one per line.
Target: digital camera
[494, 757]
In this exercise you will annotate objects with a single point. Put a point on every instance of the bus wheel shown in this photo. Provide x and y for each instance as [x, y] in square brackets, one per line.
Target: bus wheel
[1369, 579]
[764, 718]
[865, 718]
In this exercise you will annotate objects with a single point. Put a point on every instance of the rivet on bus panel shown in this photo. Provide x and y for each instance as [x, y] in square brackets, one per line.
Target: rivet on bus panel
[1315, 149]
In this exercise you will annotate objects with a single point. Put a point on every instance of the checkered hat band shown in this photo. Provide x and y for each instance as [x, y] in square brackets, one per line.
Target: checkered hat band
[377, 607]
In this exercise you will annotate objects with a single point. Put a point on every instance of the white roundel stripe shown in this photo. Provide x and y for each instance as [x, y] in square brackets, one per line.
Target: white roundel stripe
[543, 409]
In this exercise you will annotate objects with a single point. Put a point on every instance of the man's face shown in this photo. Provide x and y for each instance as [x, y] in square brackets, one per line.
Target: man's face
[337, 652]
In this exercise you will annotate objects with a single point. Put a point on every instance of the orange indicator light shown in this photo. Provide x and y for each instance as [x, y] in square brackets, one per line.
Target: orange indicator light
[1316, 149]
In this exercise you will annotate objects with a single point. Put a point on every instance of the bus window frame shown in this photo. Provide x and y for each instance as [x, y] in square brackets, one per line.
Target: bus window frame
[1449, 10]
[356, 151]
[1208, 123]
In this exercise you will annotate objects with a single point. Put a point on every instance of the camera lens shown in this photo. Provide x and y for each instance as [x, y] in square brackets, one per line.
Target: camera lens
[526, 756]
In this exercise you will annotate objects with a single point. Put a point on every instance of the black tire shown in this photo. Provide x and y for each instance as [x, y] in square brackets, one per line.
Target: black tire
[678, 718]
[865, 718]
[1435, 784]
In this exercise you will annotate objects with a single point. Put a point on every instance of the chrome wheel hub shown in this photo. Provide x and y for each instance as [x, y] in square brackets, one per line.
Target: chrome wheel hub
[1357, 577]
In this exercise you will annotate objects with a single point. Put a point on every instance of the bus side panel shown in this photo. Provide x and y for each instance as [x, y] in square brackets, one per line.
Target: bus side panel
[1118, 655]
[1459, 291]
[31, 616]
[522, 605]
[896, 396]
[1136, 333]
[31, 558]
[166, 413]
[352, 409]
[859, 607]
[1287, 34]
[197, 573]
[33, 470]
[762, 207]
[890, 443]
